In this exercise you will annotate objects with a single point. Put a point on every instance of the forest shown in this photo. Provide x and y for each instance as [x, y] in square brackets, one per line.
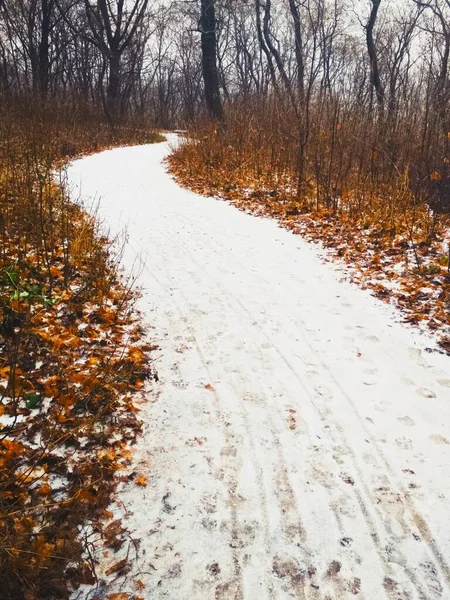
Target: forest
[353, 97]
[330, 116]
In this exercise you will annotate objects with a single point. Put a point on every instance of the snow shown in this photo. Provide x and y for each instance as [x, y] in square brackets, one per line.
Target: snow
[298, 444]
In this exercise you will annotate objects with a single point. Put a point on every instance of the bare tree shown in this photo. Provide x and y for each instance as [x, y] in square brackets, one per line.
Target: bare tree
[298, 38]
[31, 22]
[375, 77]
[208, 27]
[113, 25]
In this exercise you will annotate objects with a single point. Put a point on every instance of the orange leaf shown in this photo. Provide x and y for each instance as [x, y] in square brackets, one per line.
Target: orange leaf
[4, 373]
[107, 314]
[136, 354]
[52, 386]
[45, 490]
[142, 481]
[118, 566]
[85, 495]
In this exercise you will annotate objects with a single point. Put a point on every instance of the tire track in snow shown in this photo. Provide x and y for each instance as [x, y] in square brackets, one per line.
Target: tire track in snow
[229, 451]
[363, 504]
[292, 477]
[415, 518]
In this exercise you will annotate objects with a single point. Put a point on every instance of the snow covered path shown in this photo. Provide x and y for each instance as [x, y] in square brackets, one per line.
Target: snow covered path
[300, 444]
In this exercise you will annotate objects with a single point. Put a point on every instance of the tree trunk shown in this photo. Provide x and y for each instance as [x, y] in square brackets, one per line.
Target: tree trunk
[44, 48]
[207, 28]
[374, 68]
[298, 48]
[262, 43]
[114, 81]
[271, 46]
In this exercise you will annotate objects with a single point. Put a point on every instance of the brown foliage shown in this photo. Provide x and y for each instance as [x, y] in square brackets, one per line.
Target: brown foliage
[351, 199]
[66, 374]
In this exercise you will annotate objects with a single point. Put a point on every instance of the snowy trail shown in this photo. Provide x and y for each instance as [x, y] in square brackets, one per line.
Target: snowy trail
[300, 444]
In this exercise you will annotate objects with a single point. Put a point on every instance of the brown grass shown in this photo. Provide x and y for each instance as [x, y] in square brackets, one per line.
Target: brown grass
[368, 210]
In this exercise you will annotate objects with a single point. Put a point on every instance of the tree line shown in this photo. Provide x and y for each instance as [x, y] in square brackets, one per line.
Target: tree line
[375, 73]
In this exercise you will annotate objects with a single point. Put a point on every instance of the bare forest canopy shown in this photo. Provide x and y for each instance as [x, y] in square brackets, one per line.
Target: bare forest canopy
[146, 54]
[374, 72]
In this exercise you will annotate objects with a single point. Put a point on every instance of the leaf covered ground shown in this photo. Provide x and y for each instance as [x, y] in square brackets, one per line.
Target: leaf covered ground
[73, 362]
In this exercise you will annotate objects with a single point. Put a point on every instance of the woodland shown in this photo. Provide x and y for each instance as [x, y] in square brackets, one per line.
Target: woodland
[329, 115]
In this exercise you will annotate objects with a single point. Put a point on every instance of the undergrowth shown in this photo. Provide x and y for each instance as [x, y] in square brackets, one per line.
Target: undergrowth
[71, 356]
[374, 219]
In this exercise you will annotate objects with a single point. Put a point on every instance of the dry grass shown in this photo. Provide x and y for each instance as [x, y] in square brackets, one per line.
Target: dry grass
[368, 210]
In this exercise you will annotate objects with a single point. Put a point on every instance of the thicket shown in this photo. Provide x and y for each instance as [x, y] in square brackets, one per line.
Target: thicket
[71, 353]
[337, 123]
[381, 170]
[373, 186]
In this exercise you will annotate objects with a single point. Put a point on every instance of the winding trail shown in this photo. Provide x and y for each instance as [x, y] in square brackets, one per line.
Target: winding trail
[300, 443]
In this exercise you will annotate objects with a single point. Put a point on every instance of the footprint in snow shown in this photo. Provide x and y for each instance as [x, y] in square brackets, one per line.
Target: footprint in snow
[425, 392]
[439, 439]
[444, 382]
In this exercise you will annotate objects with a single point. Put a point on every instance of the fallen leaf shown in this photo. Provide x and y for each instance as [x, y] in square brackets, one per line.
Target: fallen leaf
[45, 490]
[142, 481]
[113, 529]
[136, 354]
[118, 566]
